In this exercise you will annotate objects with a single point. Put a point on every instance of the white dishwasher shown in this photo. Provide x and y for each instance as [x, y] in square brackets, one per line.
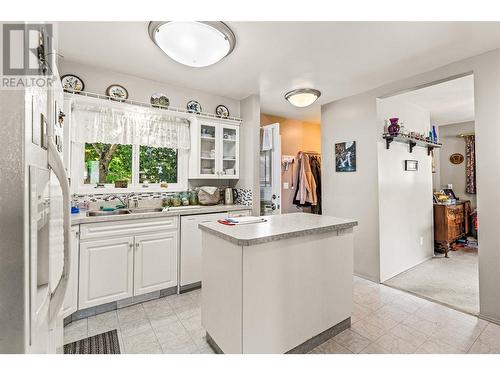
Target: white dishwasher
[190, 271]
[190, 254]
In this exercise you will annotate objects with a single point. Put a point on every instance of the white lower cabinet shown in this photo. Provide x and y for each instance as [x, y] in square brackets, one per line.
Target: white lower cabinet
[155, 262]
[70, 304]
[106, 271]
[114, 266]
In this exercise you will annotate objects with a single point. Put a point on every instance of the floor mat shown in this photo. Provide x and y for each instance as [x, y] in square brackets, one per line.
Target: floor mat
[453, 281]
[103, 343]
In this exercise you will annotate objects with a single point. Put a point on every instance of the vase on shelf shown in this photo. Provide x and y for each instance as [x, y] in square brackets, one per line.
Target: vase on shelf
[394, 127]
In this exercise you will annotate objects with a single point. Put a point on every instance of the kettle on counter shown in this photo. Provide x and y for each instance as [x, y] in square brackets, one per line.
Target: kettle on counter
[230, 195]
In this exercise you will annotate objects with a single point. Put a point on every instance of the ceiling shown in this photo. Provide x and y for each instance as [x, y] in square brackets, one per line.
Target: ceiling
[449, 102]
[338, 58]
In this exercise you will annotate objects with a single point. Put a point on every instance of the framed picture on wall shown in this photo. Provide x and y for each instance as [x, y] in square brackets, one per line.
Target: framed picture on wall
[411, 165]
[345, 156]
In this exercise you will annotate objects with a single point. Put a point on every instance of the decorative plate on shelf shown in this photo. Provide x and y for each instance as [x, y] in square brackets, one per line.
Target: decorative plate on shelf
[222, 111]
[193, 107]
[72, 82]
[117, 92]
[159, 100]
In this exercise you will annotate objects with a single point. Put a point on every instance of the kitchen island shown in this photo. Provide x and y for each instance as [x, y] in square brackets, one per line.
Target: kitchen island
[280, 286]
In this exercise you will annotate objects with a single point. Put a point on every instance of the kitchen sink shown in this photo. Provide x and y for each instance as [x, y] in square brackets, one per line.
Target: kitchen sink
[144, 210]
[124, 211]
[108, 213]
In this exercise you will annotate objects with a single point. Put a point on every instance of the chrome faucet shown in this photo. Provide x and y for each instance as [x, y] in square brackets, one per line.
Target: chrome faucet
[124, 201]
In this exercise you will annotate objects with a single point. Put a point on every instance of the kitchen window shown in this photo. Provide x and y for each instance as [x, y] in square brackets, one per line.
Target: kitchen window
[157, 164]
[107, 163]
[122, 144]
[144, 168]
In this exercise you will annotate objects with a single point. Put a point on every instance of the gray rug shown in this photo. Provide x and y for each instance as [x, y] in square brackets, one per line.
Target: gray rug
[453, 281]
[103, 343]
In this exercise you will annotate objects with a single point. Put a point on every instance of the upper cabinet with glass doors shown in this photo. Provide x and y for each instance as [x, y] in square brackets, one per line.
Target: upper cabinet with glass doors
[214, 150]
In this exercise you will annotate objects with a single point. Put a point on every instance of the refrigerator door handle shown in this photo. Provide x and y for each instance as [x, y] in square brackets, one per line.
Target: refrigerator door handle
[57, 166]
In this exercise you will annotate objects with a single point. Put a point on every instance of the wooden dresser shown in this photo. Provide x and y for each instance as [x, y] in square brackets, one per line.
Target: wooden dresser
[451, 222]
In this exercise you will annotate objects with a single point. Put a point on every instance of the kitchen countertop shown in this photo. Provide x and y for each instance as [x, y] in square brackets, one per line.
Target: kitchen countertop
[82, 218]
[277, 227]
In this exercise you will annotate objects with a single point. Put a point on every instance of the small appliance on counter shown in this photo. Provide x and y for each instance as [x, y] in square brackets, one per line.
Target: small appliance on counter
[230, 195]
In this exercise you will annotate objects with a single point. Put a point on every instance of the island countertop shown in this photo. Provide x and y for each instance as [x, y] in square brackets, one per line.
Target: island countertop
[277, 227]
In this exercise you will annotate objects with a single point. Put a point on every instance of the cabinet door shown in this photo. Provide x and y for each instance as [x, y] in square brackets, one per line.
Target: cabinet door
[70, 304]
[155, 265]
[208, 151]
[229, 155]
[106, 271]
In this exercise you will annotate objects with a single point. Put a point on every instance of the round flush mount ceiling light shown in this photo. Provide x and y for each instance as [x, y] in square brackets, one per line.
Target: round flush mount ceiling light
[193, 43]
[302, 97]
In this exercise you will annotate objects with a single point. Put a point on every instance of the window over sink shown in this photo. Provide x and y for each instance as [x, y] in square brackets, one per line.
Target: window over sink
[142, 167]
[119, 147]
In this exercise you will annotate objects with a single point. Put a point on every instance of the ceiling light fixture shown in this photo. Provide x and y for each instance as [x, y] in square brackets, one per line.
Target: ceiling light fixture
[193, 43]
[302, 97]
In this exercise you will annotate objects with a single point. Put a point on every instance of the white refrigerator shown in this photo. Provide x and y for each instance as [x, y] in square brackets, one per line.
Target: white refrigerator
[35, 216]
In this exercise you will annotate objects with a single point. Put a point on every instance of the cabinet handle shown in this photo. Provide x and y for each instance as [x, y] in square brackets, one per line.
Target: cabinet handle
[131, 245]
[137, 245]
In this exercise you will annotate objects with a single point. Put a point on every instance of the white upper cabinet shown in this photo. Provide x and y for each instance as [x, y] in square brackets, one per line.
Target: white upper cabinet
[215, 152]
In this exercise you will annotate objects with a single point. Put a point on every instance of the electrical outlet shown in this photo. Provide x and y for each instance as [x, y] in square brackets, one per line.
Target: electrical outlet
[421, 241]
[286, 185]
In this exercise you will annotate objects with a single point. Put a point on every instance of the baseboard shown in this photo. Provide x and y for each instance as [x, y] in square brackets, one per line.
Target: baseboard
[369, 278]
[303, 348]
[190, 287]
[406, 269]
[489, 319]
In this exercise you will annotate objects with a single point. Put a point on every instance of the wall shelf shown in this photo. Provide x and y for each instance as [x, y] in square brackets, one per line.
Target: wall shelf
[412, 142]
[172, 110]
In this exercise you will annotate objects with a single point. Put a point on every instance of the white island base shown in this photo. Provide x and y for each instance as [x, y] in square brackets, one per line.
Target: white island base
[284, 286]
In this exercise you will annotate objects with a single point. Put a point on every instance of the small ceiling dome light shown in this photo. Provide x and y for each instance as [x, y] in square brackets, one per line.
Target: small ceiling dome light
[193, 43]
[302, 97]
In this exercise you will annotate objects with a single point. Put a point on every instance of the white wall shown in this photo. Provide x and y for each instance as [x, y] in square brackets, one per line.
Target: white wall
[353, 194]
[355, 118]
[454, 173]
[405, 197]
[97, 80]
[249, 149]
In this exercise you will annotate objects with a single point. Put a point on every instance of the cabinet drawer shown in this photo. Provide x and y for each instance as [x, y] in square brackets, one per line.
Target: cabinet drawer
[126, 227]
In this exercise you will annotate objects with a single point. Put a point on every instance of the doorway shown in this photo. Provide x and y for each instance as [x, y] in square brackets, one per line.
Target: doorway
[270, 170]
[298, 138]
[438, 257]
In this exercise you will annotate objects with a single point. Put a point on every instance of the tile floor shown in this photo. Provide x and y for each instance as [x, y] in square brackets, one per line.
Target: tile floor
[384, 321]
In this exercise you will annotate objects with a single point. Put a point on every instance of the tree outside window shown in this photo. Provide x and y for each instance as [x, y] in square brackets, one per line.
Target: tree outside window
[115, 162]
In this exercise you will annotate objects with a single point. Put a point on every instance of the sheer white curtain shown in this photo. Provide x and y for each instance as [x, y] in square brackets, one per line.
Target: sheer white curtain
[128, 125]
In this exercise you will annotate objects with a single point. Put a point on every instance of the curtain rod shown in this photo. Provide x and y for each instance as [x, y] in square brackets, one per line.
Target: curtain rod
[465, 134]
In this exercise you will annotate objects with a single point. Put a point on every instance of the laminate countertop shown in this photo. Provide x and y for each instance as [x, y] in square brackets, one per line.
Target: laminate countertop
[82, 218]
[277, 227]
